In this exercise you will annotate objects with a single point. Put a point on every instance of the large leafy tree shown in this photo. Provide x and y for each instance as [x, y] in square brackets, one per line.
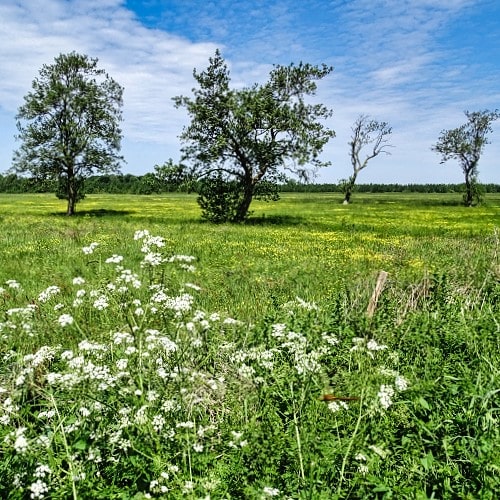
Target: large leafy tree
[69, 125]
[241, 141]
[370, 135]
[466, 144]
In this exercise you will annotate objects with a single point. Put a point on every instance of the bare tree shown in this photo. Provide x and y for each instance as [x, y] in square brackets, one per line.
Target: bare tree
[466, 144]
[365, 132]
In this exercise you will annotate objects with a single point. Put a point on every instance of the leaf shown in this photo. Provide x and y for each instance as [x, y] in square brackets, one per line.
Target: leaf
[81, 444]
[427, 461]
[423, 403]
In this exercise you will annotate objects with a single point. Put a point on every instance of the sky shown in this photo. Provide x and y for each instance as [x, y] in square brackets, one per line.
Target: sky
[416, 64]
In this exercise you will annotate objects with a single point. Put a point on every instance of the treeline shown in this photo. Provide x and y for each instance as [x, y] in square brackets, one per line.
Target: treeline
[150, 184]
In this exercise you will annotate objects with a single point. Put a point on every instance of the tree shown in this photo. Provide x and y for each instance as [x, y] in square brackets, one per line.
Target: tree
[466, 144]
[173, 177]
[69, 125]
[240, 142]
[365, 132]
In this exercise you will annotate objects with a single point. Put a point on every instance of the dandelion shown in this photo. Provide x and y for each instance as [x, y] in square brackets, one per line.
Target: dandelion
[65, 320]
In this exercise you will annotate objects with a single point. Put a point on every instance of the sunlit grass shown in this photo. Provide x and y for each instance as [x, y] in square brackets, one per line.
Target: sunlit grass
[118, 386]
[303, 245]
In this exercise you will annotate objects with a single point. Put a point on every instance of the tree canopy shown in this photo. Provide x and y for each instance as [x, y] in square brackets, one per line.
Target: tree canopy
[69, 125]
[466, 144]
[243, 141]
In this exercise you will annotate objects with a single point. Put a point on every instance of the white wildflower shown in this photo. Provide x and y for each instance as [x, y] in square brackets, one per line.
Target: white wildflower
[385, 395]
[38, 489]
[140, 234]
[65, 320]
[90, 249]
[21, 443]
[372, 345]
[401, 383]
[48, 293]
[101, 303]
[13, 284]
[114, 259]
[270, 492]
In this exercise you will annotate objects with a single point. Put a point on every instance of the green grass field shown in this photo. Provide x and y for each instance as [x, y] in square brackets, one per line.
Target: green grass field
[129, 370]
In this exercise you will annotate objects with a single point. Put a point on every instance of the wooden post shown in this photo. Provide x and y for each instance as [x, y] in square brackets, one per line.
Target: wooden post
[382, 278]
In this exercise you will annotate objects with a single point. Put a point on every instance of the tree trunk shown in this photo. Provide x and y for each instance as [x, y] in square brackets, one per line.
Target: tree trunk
[469, 195]
[347, 195]
[71, 196]
[349, 188]
[71, 207]
[243, 207]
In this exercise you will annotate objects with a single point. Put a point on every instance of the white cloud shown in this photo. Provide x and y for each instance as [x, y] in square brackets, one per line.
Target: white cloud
[389, 57]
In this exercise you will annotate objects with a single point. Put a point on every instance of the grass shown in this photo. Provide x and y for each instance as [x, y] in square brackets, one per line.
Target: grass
[217, 381]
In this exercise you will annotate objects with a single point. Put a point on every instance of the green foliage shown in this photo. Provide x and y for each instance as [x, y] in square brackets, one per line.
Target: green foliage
[173, 177]
[249, 136]
[466, 144]
[219, 199]
[68, 125]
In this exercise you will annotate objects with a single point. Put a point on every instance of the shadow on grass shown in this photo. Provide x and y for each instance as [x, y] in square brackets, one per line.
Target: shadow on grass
[276, 220]
[98, 212]
[410, 202]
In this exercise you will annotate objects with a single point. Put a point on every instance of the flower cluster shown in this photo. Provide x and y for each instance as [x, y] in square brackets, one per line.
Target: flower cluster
[145, 375]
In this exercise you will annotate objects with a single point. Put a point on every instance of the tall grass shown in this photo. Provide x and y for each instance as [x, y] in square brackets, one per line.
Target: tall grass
[251, 370]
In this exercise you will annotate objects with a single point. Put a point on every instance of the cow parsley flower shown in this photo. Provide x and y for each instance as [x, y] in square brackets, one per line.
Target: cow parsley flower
[90, 249]
[38, 489]
[65, 320]
[48, 293]
[21, 443]
[13, 284]
[101, 303]
[385, 395]
[114, 259]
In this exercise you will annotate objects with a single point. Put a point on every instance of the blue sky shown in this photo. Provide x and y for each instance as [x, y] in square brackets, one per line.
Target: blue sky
[415, 64]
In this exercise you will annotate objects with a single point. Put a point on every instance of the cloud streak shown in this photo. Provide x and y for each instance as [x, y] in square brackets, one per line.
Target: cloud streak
[396, 60]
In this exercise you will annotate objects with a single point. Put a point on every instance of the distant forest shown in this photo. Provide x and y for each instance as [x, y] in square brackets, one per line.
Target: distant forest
[151, 184]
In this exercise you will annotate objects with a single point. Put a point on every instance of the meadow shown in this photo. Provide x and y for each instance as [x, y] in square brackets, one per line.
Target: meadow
[147, 354]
